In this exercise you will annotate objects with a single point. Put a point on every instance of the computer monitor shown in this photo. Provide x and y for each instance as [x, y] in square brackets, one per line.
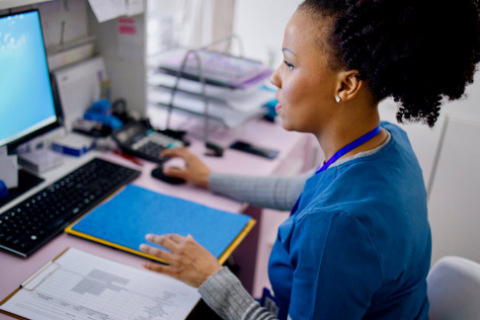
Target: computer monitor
[27, 104]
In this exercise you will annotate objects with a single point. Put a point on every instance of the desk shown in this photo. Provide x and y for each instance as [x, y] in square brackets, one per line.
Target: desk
[14, 270]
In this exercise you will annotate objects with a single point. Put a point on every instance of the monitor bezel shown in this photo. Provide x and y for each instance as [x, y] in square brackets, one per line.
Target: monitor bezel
[12, 145]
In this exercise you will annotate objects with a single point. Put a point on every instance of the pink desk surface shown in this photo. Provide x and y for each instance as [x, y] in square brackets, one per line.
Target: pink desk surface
[14, 270]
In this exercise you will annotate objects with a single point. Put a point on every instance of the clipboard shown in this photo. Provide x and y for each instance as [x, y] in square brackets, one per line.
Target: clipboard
[33, 281]
[80, 285]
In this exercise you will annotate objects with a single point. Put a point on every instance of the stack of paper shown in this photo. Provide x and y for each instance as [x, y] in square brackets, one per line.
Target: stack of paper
[105, 10]
[233, 86]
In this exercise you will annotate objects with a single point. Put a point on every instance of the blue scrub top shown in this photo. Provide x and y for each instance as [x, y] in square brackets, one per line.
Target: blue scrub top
[359, 245]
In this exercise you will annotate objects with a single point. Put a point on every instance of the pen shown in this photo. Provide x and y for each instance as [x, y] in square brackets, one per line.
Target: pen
[127, 157]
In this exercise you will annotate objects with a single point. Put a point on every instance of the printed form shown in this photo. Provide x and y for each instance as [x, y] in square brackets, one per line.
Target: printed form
[79, 285]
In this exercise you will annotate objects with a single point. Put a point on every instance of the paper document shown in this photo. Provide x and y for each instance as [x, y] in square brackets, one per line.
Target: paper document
[79, 86]
[108, 9]
[135, 7]
[79, 285]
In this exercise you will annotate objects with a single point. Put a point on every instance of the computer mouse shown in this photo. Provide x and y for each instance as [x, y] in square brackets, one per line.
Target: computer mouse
[158, 174]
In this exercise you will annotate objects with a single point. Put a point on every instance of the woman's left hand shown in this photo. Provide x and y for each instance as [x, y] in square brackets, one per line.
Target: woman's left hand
[187, 260]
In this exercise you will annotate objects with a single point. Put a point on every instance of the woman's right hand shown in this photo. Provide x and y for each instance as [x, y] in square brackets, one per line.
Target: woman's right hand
[195, 171]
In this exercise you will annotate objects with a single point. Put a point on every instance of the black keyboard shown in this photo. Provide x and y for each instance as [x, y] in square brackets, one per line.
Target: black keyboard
[27, 226]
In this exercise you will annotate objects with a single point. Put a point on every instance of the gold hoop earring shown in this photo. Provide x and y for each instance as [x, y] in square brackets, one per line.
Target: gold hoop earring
[338, 99]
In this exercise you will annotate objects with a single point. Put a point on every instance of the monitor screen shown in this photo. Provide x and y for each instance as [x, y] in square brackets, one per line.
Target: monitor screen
[27, 105]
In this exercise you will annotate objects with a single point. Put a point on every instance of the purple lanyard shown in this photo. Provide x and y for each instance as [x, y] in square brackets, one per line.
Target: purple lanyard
[349, 147]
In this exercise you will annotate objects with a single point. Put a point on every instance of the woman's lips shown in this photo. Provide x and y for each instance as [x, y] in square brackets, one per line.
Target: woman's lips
[278, 107]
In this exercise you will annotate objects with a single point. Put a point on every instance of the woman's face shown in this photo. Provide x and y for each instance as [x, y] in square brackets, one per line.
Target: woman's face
[306, 84]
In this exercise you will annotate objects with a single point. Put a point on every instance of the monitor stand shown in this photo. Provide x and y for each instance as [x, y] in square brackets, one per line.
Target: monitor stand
[26, 181]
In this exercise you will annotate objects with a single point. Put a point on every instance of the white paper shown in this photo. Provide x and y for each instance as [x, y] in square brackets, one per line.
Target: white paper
[79, 87]
[86, 286]
[135, 7]
[3, 151]
[37, 279]
[108, 9]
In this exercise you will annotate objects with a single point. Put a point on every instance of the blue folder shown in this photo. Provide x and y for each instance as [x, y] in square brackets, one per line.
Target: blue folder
[124, 220]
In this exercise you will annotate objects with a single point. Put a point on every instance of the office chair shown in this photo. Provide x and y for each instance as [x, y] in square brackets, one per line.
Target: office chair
[454, 289]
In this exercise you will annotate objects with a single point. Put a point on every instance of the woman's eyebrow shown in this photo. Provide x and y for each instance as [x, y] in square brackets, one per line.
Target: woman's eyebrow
[289, 50]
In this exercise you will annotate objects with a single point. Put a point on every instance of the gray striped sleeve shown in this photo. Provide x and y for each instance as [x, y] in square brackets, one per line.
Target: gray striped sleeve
[224, 293]
[275, 192]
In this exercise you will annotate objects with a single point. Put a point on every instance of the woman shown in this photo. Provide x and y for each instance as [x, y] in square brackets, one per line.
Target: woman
[357, 244]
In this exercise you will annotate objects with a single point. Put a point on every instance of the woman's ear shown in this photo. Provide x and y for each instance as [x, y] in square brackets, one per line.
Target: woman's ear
[348, 85]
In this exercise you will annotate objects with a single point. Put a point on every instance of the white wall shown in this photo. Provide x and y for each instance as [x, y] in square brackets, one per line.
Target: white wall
[449, 155]
[469, 106]
[261, 24]
[454, 201]
[187, 23]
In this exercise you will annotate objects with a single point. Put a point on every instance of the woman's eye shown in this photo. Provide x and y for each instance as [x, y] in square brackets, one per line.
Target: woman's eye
[289, 65]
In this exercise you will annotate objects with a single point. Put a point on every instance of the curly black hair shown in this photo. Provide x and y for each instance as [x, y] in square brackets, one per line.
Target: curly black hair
[417, 51]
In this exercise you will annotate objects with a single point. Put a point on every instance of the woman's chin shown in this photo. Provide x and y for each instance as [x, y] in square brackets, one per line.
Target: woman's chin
[286, 125]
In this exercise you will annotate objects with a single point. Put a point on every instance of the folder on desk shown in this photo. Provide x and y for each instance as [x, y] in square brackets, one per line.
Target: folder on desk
[124, 220]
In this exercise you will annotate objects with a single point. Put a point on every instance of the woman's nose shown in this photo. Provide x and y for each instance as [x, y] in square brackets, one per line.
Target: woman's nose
[275, 79]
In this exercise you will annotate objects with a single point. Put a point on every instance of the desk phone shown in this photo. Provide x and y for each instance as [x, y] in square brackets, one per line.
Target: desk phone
[137, 139]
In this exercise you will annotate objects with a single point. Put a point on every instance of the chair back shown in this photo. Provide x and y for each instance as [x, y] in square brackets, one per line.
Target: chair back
[454, 289]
